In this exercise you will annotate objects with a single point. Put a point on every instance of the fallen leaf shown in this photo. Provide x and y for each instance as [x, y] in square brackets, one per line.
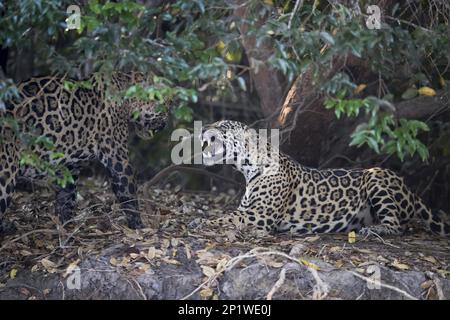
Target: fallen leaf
[134, 255]
[365, 251]
[427, 91]
[309, 264]
[443, 273]
[430, 259]
[339, 264]
[221, 265]
[208, 271]
[71, 267]
[134, 235]
[187, 249]
[409, 93]
[360, 88]
[25, 253]
[427, 284]
[382, 259]
[170, 261]
[312, 239]
[13, 273]
[352, 237]
[49, 266]
[400, 266]
[151, 254]
[206, 292]
[114, 261]
[335, 249]
[210, 259]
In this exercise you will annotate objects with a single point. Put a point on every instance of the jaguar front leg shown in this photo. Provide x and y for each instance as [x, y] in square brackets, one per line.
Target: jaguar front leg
[9, 168]
[245, 219]
[124, 187]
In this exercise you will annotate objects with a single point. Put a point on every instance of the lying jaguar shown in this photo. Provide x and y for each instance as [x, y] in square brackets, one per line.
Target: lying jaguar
[84, 124]
[284, 196]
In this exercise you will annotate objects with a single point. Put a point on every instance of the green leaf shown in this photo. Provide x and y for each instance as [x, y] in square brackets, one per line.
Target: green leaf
[409, 93]
[242, 84]
[373, 144]
[328, 38]
[57, 155]
[135, 114]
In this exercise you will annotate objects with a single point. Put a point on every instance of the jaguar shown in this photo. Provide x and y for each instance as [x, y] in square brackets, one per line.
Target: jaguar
[84, 123]
[282, 195]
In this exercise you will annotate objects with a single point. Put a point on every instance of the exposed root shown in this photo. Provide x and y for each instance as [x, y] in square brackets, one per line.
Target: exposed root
[387, 286]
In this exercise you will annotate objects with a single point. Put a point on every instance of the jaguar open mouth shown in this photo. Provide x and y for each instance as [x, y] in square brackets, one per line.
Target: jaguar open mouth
[213, 149]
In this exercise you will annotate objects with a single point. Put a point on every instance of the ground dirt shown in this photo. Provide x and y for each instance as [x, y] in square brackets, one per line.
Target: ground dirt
[169, 260]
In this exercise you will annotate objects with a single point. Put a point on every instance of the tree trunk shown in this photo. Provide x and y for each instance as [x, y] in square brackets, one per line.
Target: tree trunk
[267, 81]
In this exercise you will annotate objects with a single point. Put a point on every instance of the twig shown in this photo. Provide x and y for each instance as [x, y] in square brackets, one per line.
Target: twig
[372, 233]
[298, 4]
[321, 289]
[277, 284]
[27, 234]
[141, 291]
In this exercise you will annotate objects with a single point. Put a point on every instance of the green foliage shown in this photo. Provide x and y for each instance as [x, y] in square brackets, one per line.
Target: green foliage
[196, 45]
[382, 133]
[57, 173]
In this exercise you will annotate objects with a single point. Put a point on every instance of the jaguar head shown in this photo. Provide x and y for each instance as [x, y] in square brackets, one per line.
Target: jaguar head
[232, 142]
[148, 118]
[225, 142]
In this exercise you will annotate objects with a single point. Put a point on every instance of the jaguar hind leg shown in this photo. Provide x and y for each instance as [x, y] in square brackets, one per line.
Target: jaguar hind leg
[387, 215]
[65, 201]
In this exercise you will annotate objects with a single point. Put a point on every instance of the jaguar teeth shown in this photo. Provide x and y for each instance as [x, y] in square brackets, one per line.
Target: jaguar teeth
[151, 133]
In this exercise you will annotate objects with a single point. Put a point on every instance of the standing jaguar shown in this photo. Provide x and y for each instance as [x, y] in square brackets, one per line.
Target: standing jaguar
[84, 124]
[282, 195]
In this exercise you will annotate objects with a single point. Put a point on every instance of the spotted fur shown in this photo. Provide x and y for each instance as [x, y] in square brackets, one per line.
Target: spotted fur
[284, 196]
[84, 124]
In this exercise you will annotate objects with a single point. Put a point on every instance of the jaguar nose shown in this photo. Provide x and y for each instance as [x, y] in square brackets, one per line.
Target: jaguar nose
[157, 126]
